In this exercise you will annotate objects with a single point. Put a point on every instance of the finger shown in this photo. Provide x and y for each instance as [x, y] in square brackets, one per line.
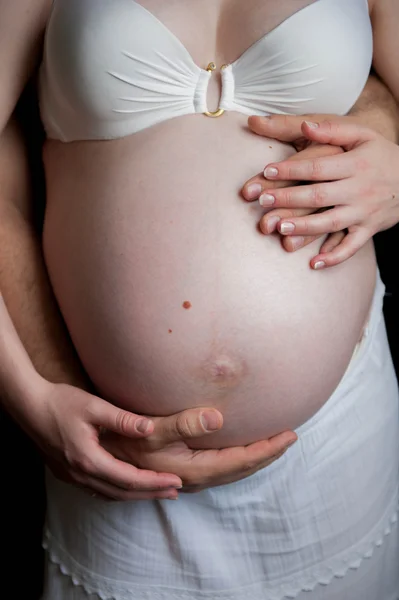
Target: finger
[328, 221]
[104, 414]
[315, 196]
[232, 477]
[333, 240]
[337, 132]
[284, 128]
[351, 244]
[224, 463]
[188, 424]
[269, 221]
[103, 465]
[105, 491]
[327, 168]
[254, 187]
[292, 242]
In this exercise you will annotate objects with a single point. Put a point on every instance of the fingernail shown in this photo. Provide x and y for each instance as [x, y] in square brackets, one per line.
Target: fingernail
[290, 444]
[267, 200]
[320, 264]
[297, 242]
[287, 228]
[143, 425]
[210, 420]
[270, 172]
[312, 125]
[253, 191]
[272, 223]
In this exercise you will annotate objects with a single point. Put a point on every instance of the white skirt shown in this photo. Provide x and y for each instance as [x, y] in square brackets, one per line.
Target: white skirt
[318, 524]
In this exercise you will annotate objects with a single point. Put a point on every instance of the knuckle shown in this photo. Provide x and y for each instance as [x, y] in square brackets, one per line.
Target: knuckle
[129, 486]
[287, 199]
[123, 421]
[319, 196]
[336, 224]
[305, 226]
[184, 427]
[315, 168]
[82, 464]
[329, 127]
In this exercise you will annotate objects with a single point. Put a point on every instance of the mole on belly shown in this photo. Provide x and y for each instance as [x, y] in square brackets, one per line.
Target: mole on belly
[187, 305]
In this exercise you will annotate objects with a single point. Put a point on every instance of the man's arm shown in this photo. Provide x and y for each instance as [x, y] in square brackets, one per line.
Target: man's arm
[23, 279]
[377, 108]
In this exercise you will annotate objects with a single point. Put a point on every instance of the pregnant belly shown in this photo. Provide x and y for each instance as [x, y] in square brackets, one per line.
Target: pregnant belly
[172, 296]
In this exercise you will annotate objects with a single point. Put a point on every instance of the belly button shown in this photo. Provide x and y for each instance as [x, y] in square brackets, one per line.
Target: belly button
[224, 371]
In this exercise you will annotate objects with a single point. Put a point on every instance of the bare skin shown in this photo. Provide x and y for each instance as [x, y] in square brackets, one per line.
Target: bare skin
[248, 461]
[253, 343]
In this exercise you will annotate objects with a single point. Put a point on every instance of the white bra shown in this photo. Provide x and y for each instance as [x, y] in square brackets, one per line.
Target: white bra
[111, 68]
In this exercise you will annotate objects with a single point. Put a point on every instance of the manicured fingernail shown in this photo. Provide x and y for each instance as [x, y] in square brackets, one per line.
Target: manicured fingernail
[272, 223]
[143, 425]
[253, 191]
[270, 172]
[312, 125]
[320, 264]
[210, 420]
[267, 200]
[287, 228]
[297, 242]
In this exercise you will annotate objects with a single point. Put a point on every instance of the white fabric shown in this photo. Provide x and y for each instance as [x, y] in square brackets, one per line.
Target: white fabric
[111, 68]
[319, 524]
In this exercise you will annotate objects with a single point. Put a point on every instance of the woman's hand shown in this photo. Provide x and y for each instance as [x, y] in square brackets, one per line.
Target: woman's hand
[357, 191]
[257, 185]
[66, 424]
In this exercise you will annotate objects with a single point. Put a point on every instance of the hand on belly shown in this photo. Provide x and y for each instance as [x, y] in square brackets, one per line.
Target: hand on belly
[167, 450]
[174, 299]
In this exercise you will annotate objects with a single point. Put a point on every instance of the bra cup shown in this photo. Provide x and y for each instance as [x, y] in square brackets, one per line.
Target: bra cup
[97, 75]
[288, 72]
[111, 68]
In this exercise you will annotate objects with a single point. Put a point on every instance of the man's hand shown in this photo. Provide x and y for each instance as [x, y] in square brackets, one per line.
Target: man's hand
[167, 449]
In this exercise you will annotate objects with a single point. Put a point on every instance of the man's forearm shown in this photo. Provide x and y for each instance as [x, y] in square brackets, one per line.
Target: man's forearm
[377, 108]
[23, 279]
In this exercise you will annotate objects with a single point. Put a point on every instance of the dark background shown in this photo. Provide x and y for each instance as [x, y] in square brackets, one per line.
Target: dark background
[22, 489]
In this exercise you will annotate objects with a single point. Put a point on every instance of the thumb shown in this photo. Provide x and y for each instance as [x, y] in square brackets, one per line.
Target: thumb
[104, 414]
[338, 133]
[188, 424]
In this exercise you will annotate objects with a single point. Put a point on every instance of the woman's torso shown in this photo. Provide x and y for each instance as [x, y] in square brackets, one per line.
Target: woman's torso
[172, 296]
